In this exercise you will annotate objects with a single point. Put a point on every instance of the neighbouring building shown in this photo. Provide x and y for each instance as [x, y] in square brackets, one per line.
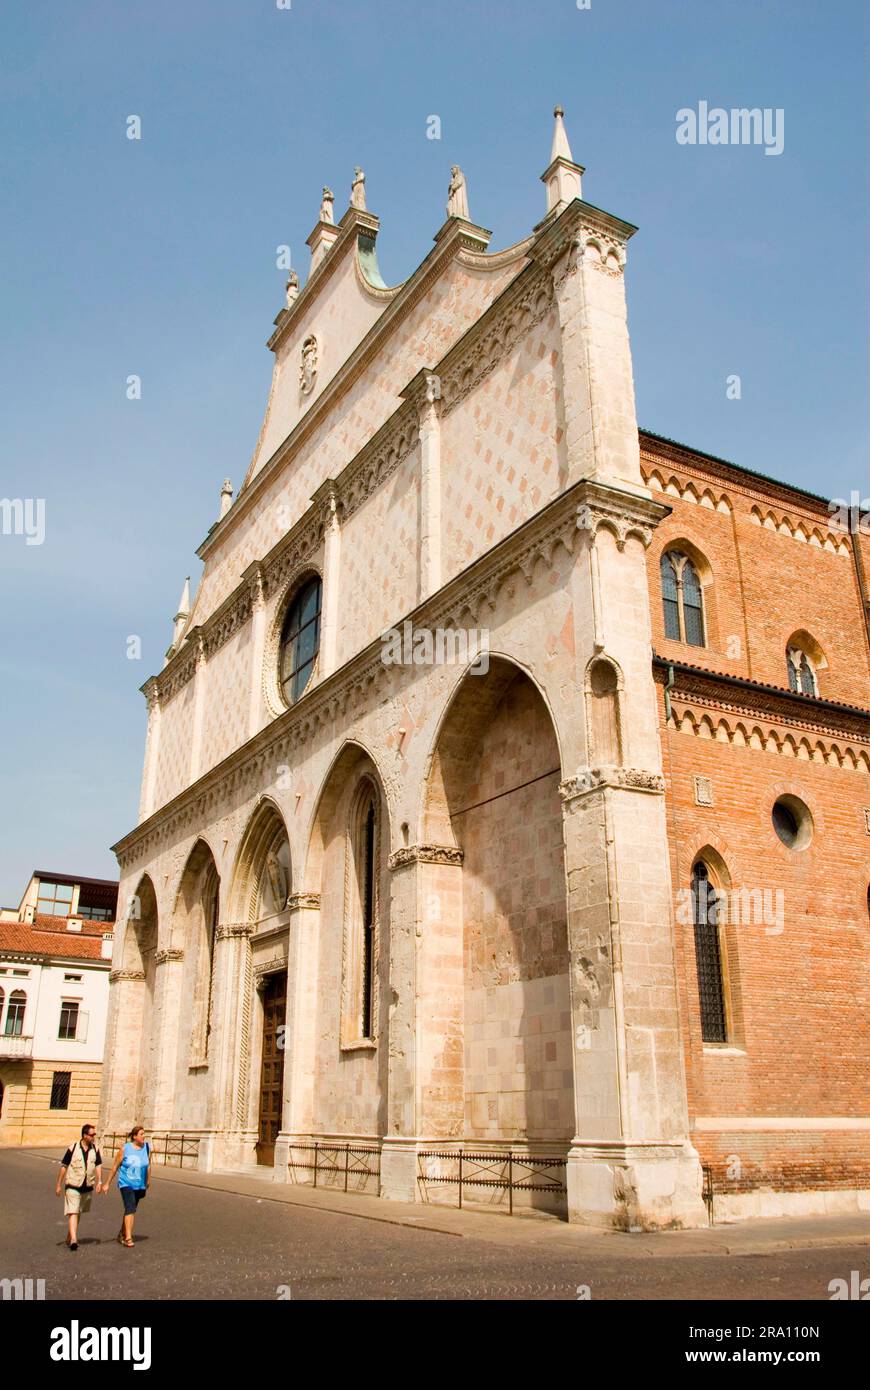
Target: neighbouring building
[55, 958]
[506, 784]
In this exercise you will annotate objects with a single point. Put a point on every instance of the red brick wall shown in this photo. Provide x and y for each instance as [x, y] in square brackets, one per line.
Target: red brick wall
[799, 998]
[765, 585]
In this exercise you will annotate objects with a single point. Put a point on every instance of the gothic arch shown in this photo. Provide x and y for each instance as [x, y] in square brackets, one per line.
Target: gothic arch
[468, 701]
[345, 972]
[492, 817]
[263, 867]
[351, 761]
[193, 932]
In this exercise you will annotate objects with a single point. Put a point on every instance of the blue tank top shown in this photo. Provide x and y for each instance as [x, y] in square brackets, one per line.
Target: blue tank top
[134, 1166]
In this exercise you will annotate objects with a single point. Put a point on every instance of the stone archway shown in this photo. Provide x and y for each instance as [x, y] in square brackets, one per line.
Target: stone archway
[492, 793]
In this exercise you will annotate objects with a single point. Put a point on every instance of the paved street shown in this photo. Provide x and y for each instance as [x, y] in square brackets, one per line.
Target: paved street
[197, 1241]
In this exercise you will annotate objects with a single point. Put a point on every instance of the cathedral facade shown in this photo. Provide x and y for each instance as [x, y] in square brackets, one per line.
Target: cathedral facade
[506, 784]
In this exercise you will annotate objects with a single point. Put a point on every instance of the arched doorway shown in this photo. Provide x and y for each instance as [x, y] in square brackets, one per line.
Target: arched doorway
[262, 885]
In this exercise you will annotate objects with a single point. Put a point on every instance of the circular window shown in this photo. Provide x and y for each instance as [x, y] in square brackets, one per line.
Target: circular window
[792, 822]
[300, 640]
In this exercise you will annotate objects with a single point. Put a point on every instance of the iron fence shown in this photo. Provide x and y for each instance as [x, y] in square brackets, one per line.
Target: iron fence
[340, 1163]
[169, 1150]
[508, 1172]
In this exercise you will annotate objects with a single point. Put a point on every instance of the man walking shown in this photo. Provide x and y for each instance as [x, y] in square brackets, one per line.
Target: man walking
[82, 1167]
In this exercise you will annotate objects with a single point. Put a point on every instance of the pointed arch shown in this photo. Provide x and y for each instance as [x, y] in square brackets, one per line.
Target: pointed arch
[262, 877]
[193, 931]
[491, 819]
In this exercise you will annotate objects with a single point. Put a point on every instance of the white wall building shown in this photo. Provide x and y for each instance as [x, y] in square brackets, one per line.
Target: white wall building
[55, 955]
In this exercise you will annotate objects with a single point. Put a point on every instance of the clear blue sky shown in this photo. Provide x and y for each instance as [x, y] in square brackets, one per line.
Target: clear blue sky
[157, 258]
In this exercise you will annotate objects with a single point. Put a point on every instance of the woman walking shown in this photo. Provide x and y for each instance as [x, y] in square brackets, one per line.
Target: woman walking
[133, 1166]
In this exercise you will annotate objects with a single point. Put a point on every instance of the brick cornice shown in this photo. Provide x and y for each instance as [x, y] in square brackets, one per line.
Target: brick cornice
[736, 695]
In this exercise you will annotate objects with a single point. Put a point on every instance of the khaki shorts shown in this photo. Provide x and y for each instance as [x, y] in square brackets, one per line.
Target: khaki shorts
[75, 1203]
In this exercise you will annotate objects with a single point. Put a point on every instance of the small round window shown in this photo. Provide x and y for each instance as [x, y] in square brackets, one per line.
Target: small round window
[792, 822]
[300, 640]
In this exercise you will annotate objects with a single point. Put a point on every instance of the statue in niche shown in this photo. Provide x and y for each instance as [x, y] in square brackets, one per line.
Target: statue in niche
[308, 364]
[358, 189]
[326, 203]
[457, 194]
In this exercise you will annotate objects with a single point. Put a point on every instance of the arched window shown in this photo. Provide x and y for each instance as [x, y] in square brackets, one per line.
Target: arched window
[682, 599]
[15, 1014]
[605, 740]
[367, 901]
[300, 640]
[801, 676]
[708, 955]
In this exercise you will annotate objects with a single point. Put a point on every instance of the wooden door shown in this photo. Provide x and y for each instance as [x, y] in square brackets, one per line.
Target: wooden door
[272, 1068]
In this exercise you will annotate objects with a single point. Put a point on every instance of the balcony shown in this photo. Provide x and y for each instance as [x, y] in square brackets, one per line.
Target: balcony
[12, 1047]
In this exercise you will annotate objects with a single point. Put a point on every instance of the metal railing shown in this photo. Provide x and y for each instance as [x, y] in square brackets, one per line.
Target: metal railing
[505, 1172]
[169, 1150]
[340, 1163]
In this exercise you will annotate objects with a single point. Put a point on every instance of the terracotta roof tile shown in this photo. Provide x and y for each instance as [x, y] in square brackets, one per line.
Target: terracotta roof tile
[25, 938]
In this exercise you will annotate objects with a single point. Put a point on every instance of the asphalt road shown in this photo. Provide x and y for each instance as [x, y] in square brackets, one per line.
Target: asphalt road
[197, 1243]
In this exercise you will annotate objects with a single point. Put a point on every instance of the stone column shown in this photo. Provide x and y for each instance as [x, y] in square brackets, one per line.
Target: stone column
[195, 638]
[254, 576]
[152, 749]
[232, 1013]
[167, 1006]
[430, 488]
[424, 392]
[425, 1086]
[584, 249]
[327, 496]
[631, 1164]
[123, 1048]
[300, 1037]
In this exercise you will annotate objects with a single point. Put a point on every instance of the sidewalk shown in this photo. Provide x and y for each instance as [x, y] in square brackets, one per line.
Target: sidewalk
[754, 1237]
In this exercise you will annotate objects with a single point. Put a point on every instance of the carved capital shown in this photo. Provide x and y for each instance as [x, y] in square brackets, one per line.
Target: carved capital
[116, 976]
[593, 779]
[171, 953]
[228, 931]
[300, 901]
[425, 854]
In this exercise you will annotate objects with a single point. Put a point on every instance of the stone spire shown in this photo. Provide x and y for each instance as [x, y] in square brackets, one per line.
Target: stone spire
[183, 613]
[325, 233]
[226, 498]
[562, 175]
